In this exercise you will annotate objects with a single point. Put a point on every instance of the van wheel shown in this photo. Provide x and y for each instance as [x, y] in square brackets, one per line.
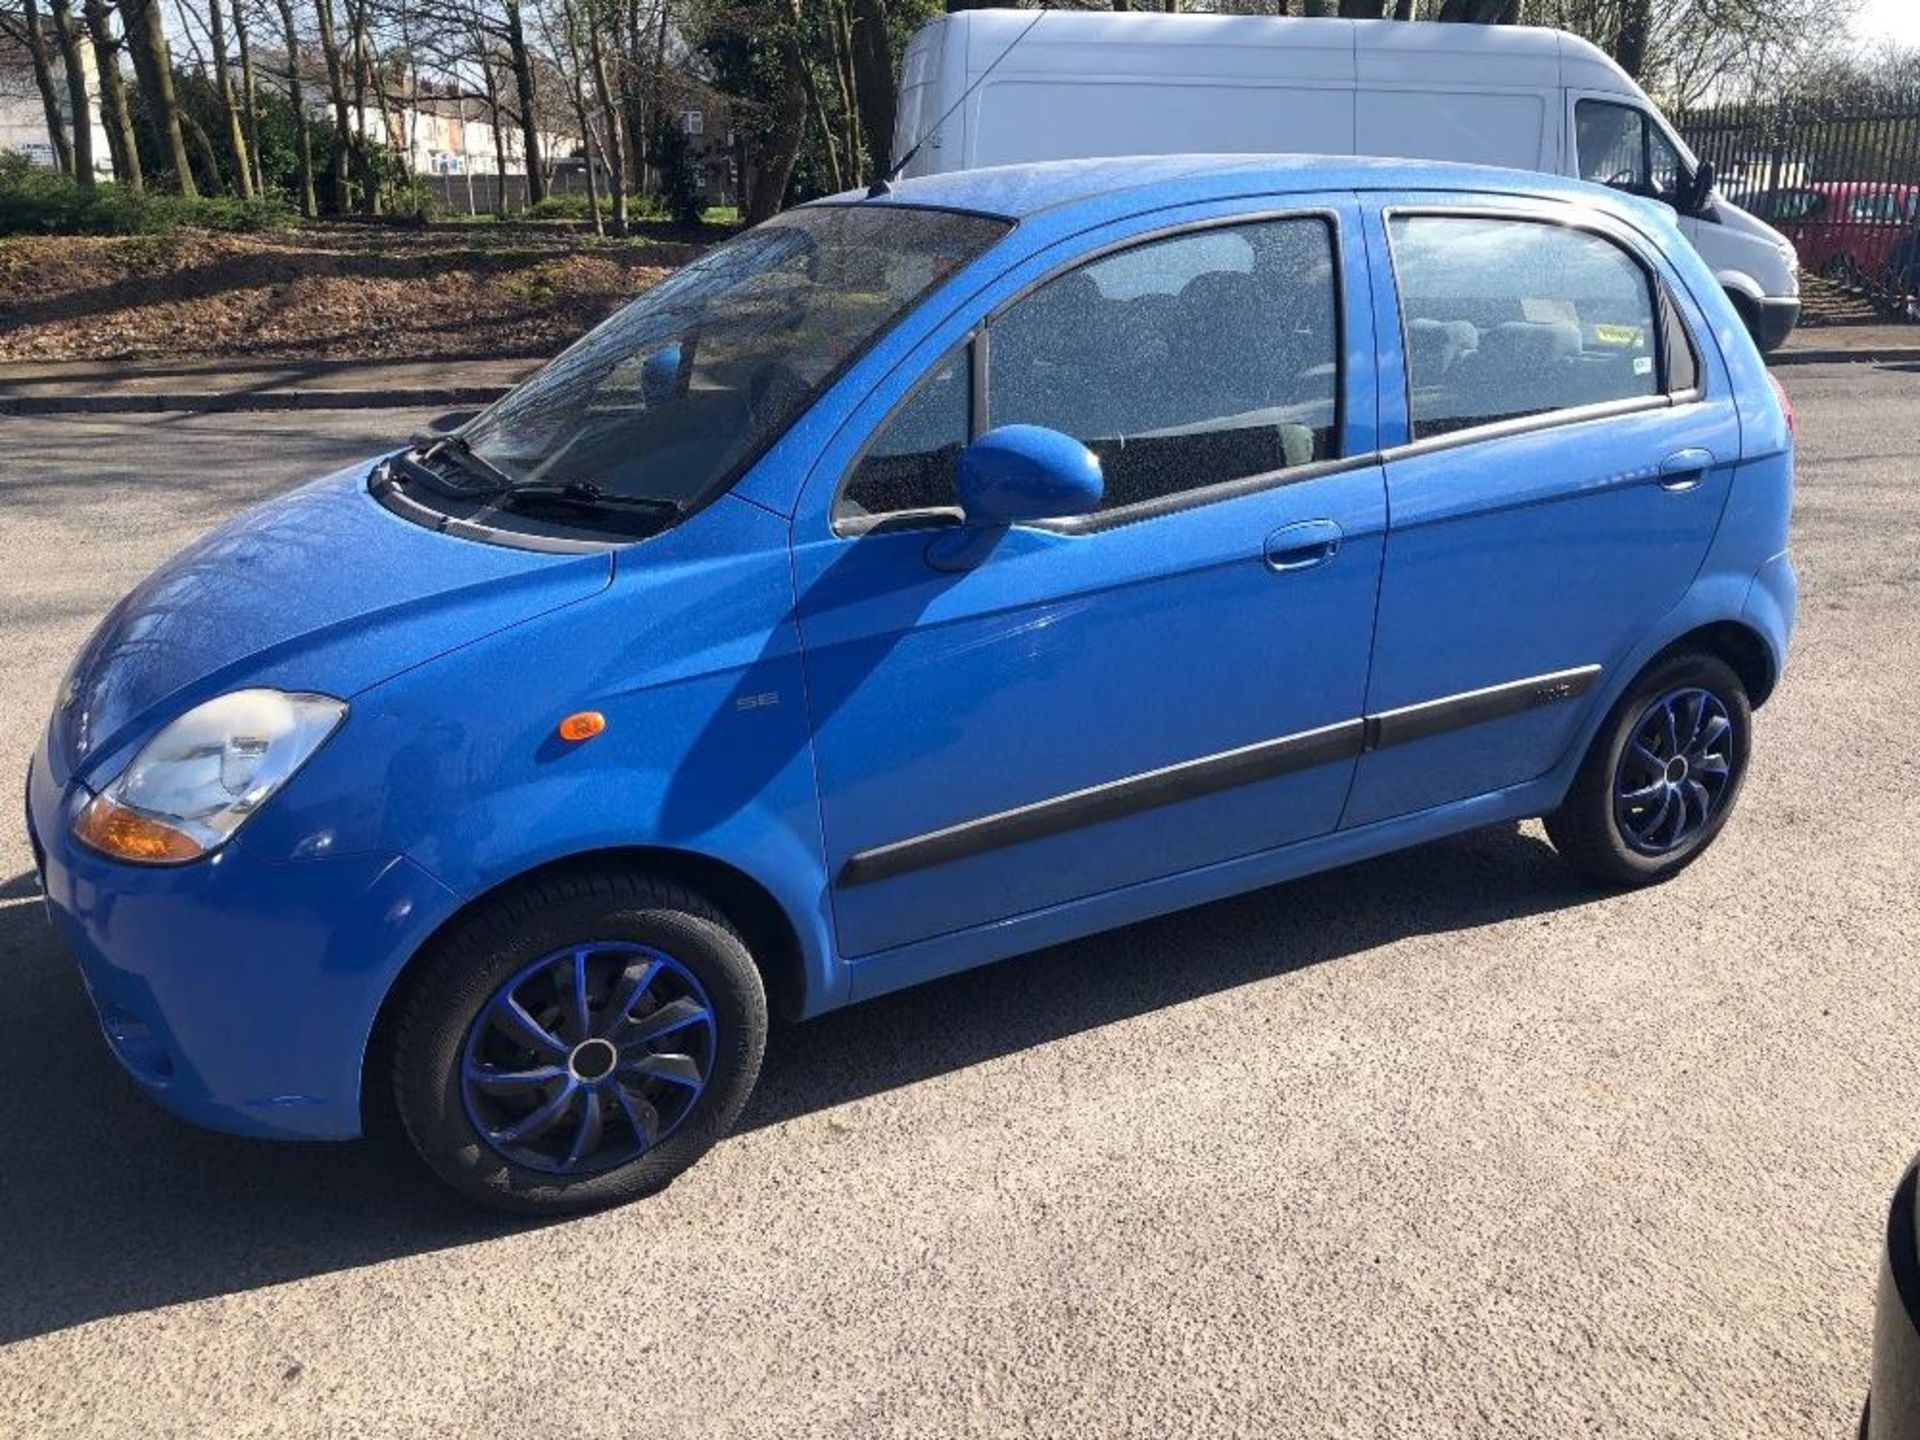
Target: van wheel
[578, 1042]
[1662, 775]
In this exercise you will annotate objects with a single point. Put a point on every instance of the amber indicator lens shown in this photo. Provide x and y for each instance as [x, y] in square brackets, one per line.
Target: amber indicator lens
[582, 725]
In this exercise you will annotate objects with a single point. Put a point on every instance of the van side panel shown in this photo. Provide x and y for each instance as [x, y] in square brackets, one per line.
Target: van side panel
[1481, 127]
[1157, 85]
[919, 103]
[1069, 119]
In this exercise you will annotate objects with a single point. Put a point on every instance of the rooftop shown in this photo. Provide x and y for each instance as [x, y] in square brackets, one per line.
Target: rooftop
[1017, 191]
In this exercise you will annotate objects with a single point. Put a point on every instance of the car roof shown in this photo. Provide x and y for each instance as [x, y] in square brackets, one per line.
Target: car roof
[1016, 192]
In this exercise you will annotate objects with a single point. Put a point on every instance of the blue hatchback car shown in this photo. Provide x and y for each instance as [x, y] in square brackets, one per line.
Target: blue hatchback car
[919, 579]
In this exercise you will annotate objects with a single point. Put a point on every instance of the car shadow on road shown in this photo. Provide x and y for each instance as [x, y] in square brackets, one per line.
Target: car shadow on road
[110, 1207]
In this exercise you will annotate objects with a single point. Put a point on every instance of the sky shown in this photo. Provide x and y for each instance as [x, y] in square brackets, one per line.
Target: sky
[1884, 20]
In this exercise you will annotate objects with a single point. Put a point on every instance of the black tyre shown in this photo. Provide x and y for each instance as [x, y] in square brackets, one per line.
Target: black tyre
[1662, 775]
[578, 1042]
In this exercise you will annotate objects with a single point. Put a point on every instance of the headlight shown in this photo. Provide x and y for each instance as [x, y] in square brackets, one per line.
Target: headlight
[194, 783]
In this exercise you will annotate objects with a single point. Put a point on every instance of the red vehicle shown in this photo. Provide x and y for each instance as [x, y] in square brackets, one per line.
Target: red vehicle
[1853, 231]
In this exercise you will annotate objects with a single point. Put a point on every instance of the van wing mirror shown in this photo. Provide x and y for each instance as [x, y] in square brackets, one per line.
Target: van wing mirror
[1701, 189]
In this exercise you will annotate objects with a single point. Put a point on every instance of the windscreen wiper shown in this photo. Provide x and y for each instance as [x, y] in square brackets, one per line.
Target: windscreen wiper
[585, 495]
[457, 449]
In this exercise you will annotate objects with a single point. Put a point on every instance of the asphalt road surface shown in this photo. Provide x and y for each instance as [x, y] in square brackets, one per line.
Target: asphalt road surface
[1444, 1144]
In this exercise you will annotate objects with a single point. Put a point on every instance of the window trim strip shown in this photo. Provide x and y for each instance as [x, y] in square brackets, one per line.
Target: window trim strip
[1209, 774]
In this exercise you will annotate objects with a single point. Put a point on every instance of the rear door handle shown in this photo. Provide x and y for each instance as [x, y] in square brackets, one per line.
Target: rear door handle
[1302, 546]
[1685, 469]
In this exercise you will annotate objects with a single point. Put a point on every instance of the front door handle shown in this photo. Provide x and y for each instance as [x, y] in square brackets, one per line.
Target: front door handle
[1685, 469]
[1302, 546]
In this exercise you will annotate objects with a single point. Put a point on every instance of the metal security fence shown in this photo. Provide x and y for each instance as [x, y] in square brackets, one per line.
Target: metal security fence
[1840, 180]
[479, 193]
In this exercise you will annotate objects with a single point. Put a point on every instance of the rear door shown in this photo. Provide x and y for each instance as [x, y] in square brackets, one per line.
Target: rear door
[1565, 450]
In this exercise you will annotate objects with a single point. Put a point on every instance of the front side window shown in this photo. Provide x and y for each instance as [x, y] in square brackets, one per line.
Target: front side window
[671, 398]
[1507, 319]
[1612, 144]
[1621, 146]
[911, 461]
[1664, 168]
[1184, 362]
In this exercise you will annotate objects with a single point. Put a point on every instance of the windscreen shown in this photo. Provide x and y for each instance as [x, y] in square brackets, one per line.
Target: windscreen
[672, 397]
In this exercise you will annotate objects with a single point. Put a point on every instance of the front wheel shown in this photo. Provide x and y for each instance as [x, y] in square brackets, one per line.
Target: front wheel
[578, 1042]
[1661, 777]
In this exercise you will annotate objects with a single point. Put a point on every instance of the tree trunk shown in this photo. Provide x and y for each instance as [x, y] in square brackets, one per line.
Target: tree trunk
[249, 94]
[523, 92]
[153, 63]
[296, 96]
[1319, 9]
[873, 83]
[819, 108]
[1630, 40]
[1403, 10]
[1479, 12]
[779, 149]
[43, 81]
[72, 60]
[611, 108]
[202, 143]
[499, 136]
[114, 114]
[1363, 9]
[229, 105]
[577, 78]
[368, 181]
[337, 93]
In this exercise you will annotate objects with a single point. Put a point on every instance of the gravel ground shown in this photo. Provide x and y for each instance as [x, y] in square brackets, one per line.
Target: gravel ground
[1439, 1145]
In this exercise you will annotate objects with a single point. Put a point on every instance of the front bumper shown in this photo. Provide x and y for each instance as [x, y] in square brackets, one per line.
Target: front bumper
[1894, 1410]
[240, 994]
[1773, 320]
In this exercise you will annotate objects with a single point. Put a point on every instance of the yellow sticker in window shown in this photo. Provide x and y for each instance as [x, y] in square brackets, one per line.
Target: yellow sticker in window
[1621, 335]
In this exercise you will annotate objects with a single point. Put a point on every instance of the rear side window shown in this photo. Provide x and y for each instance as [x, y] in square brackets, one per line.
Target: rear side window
[1507, 319]
[1881, 208]
[1184, 362]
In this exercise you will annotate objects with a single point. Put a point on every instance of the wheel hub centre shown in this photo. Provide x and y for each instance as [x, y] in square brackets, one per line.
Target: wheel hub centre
[593, 1060]
[1676, 769]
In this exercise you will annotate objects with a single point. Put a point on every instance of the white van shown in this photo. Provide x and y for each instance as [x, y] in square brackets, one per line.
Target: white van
[1080, 84]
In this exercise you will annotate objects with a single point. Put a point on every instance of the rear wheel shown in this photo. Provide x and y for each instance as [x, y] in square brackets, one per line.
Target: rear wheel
[1662, 775]
[578, 1042]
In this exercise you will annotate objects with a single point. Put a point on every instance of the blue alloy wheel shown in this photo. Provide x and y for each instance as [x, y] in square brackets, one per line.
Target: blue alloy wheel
[1677, 767]
[588, 1058]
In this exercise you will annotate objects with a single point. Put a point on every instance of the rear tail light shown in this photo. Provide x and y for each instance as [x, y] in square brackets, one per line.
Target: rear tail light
[1786, 404]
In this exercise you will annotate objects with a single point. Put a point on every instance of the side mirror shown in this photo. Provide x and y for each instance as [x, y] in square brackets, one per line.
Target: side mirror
[1016, 473]
[1027, 472]
[660, 376]
[1701, 190]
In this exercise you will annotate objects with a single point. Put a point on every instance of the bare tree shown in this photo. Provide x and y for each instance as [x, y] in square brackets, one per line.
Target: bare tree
[117, 117]
[229, 101]
[32, 29]
[297, 97]
[249, 92]
[67, 30]
[153, 63]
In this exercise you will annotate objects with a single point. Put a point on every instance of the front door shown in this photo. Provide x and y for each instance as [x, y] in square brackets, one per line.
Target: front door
[1570, 451]
[1174, 681]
